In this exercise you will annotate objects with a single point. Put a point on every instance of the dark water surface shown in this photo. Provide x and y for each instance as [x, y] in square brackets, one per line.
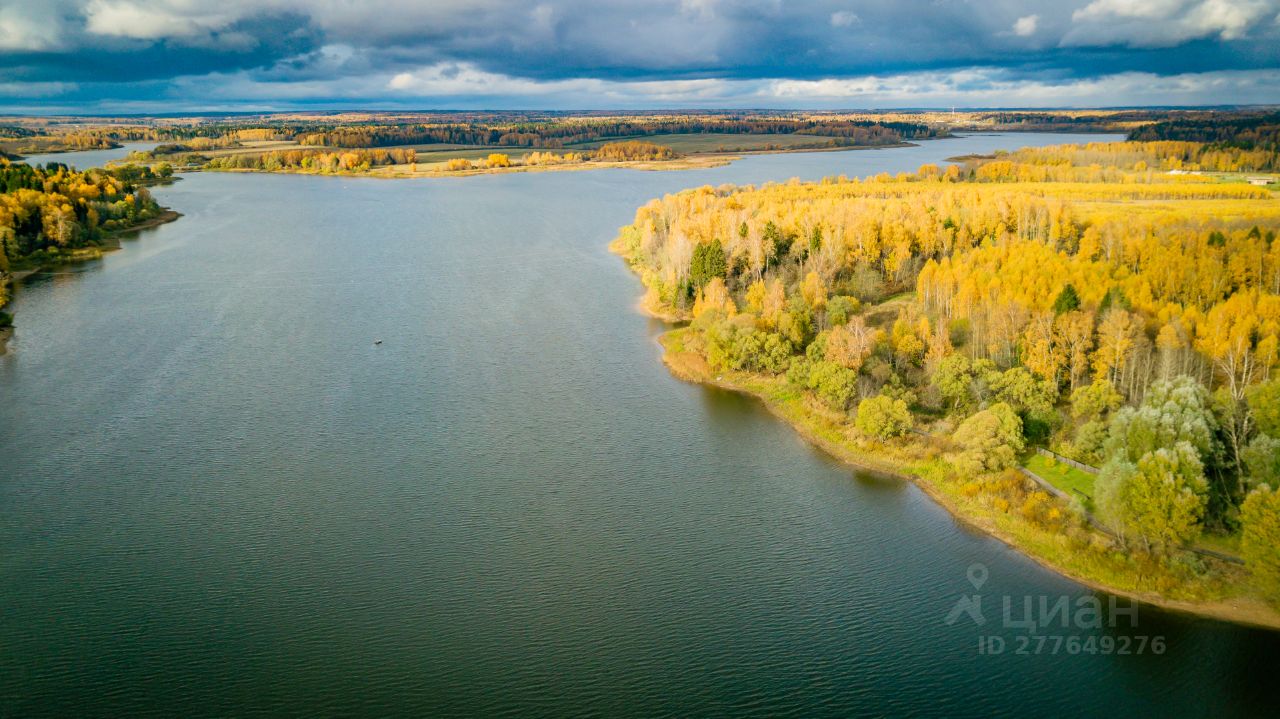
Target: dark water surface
[218, 497]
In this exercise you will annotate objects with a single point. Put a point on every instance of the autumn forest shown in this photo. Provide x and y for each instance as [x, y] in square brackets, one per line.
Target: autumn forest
[1106, 314]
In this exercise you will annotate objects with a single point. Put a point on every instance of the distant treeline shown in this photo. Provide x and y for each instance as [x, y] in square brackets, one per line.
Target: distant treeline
[1071, 121]
[18, 140]
[560, 134]
[1253, 131]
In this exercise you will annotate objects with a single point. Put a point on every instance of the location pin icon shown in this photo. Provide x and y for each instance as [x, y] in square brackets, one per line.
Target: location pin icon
[977, 575]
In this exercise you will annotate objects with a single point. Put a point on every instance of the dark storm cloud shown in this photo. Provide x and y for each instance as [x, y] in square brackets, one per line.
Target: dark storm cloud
[84, 50]
[249, 43]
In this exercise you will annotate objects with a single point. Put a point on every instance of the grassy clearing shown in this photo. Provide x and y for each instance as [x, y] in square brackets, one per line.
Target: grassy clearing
[1073, 481]
[1080, 484]
[1227, 544]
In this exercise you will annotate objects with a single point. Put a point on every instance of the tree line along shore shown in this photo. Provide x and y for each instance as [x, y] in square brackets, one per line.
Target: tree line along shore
[52, 213]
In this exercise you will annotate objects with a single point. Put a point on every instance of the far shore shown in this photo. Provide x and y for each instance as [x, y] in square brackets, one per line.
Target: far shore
[691, 161]
[22, 157]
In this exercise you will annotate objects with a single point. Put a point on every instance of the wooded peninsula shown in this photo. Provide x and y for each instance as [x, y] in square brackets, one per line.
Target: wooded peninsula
[1070, 347]
[52, 214]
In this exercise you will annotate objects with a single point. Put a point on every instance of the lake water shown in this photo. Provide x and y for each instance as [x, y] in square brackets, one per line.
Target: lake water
[90, 158]
[221, 498]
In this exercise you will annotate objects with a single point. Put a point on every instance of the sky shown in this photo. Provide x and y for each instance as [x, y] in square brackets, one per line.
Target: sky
[176, 56]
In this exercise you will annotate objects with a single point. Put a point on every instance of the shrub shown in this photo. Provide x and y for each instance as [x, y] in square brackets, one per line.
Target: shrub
[991, 440]
[835, 385]
[883, 417]
[758, 351]
[840, 308]
[634, 150]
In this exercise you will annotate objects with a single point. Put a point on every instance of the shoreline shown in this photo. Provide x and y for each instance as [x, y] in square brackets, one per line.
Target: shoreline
[111, 243]
[388, 172]
[1238, 610]
[22, 157]
[166, 216]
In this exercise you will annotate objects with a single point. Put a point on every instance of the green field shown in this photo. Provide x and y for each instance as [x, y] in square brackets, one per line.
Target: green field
[1073, 481]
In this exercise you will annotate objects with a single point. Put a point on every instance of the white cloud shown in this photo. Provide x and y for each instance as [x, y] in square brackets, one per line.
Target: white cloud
[1164, 23]
[1149, 9]
[29, 27]
[460, 78]
[458, 85]
[1229, 20]
[1026, 26]
[844, 18]
[415, 51]
[156, 20]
